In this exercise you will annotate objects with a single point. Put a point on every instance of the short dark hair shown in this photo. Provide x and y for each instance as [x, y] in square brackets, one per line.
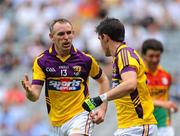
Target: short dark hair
[113, 28]
[152, 44]
[59, 20]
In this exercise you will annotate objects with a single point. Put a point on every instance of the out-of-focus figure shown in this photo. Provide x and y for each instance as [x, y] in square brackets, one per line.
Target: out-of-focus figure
[159, 82]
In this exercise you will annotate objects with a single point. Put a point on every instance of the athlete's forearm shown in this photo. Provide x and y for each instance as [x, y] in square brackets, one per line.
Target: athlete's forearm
[166, 104]
[32, 97]
[128, 85]
[158, 103]
[122, 90]
[104, 106]
[90, 104]
[33, 93]
[163, 104]
[103, 84]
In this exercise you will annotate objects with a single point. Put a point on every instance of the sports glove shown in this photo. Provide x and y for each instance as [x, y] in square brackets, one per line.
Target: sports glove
[92, 103]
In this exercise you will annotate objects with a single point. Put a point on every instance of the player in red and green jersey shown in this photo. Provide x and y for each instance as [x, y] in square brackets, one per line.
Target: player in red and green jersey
[159, 82]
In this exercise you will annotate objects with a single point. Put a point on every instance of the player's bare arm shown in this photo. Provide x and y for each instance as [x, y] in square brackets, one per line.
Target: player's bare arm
[103, 84]
[99, 115]
[166, 104]
[32, 91]
[128, 85]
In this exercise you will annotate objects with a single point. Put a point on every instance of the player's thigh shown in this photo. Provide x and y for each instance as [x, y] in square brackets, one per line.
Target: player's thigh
[150, 130]
[80, 125]
[166, 131]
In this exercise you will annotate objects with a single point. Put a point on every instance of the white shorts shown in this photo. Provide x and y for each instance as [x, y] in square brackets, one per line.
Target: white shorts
[80, 124]
[145, 130]
[166, 131]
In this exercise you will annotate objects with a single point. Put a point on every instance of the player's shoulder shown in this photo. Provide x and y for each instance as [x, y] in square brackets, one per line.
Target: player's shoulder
[85, 55]
[130, 53]
[42, 54]
[125, 48]
[42, 57]
[162, 70]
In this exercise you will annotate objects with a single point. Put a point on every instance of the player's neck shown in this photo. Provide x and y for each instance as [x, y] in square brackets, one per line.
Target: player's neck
[149, 68]
[114, 46]
[62, 53]
[152, 69]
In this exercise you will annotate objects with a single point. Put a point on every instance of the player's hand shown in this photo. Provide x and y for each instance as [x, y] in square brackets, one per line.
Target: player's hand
[92, 103]
[26, 84]
[98, 115]
[171, 106]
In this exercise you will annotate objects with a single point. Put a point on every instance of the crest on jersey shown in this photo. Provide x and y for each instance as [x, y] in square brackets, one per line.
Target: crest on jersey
[165, 81]
[77, 70]
[114, 70]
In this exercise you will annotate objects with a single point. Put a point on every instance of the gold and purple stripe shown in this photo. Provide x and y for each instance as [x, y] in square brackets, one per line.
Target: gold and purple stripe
[126, 69]
[99, 74]
[137, 103]
[37, 82]
[124, 57]
[87, 126]
[48, 103]
[145, 130]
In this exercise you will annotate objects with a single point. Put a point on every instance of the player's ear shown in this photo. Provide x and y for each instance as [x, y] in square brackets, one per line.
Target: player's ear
[105, 37]
[102, 36]
[51, 36]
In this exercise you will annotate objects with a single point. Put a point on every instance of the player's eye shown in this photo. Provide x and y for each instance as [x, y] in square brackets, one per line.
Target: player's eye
[69, 32]
[63, 33]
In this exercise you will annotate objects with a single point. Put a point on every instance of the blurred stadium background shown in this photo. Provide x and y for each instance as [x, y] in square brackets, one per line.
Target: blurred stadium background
[24, 34]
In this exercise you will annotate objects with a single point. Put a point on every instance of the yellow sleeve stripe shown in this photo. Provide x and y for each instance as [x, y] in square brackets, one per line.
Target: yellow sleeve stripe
[124, 56]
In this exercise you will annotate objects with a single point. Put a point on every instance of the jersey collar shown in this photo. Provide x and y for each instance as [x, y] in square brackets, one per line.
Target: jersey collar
[155, 72]
[53, 52]
[122, 45]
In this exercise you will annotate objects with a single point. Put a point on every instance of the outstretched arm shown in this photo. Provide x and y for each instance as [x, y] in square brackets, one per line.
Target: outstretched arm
[32, 91]
[170, 105]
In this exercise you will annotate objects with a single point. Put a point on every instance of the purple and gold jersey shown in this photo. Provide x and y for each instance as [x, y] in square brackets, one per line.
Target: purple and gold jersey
[136, 108]
[66, 82]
